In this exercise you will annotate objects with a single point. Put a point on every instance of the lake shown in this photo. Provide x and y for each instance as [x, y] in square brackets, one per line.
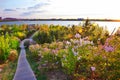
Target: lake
[110, 25]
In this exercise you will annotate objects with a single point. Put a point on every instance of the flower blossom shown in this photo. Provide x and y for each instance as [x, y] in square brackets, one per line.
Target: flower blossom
[78, 58]
[68, 43]
[75, 53]
[55, 52]
[92, 68]
[77, 35]
[109, 48]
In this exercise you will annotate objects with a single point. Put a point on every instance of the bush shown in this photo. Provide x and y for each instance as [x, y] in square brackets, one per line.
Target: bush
[42, 37]
[6, 44]
[13, 55]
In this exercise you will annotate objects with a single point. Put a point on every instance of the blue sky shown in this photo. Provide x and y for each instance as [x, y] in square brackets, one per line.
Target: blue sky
[60, 8]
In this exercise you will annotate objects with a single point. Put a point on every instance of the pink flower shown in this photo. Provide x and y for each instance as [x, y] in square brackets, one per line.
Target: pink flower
[92, 68]
[55, 52]
[77, 35]
[108, 48]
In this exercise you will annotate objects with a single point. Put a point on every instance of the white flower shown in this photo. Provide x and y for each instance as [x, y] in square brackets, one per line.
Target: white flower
[93, 68]
[68, 43]
[75, 53]
[92, 42]
[78, 58]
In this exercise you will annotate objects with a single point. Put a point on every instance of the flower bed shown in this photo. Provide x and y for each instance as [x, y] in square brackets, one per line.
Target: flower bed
[90, 53]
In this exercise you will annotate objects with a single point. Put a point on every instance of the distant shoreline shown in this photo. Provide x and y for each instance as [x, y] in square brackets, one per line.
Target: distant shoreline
[105, 20]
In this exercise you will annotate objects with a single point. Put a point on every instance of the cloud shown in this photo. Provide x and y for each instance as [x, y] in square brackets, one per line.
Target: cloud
[31, 12]
[20, 8]
[9, 10]
[37, 6]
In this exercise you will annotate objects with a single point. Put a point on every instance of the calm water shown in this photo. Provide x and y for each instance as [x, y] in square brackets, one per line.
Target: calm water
[110, 25]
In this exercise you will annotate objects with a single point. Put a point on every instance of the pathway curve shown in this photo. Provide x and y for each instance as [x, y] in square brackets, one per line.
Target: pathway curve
[24, 71]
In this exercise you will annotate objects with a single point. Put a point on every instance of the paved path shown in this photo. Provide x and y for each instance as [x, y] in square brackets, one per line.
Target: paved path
[24, 71]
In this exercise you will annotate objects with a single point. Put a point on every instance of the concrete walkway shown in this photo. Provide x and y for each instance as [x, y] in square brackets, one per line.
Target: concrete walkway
[24, 71]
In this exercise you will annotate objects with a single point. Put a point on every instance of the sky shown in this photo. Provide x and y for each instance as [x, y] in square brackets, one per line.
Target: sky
[60, 9]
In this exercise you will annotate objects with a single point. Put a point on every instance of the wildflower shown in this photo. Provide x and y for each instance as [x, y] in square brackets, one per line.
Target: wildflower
[77, 35]
[55, 52]
[76, 41]
[71, 40]
[75, 53]
[91, 43]
[78, 58]
[92, 68]
[109, 48]
[68, 43]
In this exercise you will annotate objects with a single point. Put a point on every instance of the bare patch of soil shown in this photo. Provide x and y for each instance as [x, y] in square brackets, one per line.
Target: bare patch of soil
[56, 75]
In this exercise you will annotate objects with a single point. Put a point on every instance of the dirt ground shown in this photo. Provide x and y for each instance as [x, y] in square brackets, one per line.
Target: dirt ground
[56, 75]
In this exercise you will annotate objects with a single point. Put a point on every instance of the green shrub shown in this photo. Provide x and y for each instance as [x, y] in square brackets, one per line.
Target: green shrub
[6, 43]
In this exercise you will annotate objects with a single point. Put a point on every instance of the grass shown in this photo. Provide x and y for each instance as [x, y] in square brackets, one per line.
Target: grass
[9, 70]
[34, 65]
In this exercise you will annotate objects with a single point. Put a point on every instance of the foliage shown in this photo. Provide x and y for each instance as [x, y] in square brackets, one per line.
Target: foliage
[82, 58]
[9, 71]
[34, 50]
[4, 48]
[13, 55]
[48, 34]
[20, 35]
[6, 44]
[52, 33]
[69, 62]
